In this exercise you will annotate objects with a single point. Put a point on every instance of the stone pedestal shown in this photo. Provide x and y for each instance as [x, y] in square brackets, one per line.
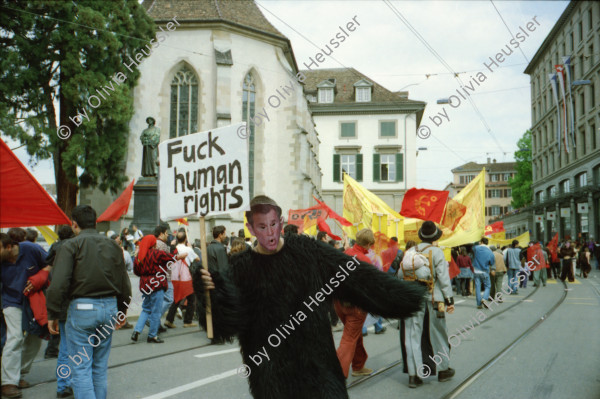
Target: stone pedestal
[145, 204]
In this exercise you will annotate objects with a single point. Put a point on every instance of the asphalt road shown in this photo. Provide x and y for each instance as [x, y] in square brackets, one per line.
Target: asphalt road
[559, 359]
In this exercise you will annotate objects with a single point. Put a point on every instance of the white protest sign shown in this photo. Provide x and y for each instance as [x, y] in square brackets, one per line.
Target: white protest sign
[204, 173]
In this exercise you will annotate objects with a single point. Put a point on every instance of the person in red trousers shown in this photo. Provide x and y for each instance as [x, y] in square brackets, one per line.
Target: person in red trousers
[351, 349]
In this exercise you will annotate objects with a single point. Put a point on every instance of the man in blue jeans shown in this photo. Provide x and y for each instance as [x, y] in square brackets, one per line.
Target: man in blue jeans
[513, 264]
[89, 271]
[483, 263]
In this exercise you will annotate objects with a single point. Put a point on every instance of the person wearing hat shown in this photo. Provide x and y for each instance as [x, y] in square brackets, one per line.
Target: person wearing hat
[274, 299]
[150, 139]
[441, 296]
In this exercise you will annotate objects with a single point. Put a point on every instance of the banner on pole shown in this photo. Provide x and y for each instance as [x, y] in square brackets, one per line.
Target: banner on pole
[204, 173]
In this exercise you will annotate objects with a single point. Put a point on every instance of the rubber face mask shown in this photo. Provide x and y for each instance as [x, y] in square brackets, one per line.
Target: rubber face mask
[267, 229]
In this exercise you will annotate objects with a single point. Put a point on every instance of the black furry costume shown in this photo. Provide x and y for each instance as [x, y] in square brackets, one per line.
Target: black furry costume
[263, 295]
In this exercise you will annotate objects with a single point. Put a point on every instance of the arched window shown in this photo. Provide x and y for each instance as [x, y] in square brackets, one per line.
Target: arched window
[248, 106]
[184, 103]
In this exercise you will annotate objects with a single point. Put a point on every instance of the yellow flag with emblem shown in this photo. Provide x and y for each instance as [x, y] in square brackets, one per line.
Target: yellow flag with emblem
[471, 226]
[364, 209]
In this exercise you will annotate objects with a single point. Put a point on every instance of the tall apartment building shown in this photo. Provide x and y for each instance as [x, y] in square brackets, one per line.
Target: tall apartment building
[365, 130]
[566, 186]
[498, 194]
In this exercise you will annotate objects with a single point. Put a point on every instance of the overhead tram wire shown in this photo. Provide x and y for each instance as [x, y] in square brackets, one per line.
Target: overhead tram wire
[441, 59]
[350, 69]
[308, 40]
[509, 31]
[317, 47]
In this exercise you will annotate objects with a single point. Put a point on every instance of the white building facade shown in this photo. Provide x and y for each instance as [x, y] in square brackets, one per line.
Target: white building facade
[366, 131]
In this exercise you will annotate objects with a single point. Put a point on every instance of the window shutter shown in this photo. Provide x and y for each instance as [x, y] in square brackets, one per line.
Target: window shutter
[399, 167]
[359, 167]
[376, 168]
[336, 167]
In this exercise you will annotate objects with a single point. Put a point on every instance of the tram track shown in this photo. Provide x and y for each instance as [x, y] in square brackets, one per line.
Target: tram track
[490, 363]
[398, 362]
[127, 363]
[451, 395]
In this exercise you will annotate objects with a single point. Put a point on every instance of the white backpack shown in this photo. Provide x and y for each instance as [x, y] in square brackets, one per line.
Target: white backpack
[415, 265]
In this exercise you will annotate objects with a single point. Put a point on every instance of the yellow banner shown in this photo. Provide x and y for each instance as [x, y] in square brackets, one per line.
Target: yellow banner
[523, 241]
[499, 236]
[472, 225]
[362, 206]
[49, 235]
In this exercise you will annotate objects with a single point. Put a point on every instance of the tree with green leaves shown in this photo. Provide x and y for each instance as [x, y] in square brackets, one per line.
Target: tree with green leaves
[66, 90]
[522, 193]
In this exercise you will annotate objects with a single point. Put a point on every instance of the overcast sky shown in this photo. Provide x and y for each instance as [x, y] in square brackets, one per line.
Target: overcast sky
[464, 34]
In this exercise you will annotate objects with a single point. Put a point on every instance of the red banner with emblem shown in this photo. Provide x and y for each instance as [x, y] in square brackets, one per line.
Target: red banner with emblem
[424, 204]
[494, 228]
[310, 215]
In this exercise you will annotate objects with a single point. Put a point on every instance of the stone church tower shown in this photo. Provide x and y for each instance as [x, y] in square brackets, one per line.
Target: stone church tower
[220, 62]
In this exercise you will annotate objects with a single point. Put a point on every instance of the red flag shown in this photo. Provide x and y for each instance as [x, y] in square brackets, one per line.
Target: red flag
[321, 225]
[331, 213]
[182, 221]
[424, 204]
[494, 228]
[388, 256]
[454, 270]
[454, 212]
[23, 201]
[539, 261]
[119, 207]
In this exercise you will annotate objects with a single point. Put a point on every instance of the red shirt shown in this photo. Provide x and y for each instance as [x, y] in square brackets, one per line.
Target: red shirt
[464, 261]
[153, 271]
[359, 252]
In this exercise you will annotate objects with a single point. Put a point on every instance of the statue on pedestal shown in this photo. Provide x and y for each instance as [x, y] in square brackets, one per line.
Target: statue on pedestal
[150, 138]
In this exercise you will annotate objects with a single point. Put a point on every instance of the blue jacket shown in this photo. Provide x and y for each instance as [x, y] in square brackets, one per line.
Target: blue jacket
[512, 258]
[14, 275]
[483, 259]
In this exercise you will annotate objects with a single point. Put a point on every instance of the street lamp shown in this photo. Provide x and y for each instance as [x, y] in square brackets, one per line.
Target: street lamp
[421, 149]
[443, 101]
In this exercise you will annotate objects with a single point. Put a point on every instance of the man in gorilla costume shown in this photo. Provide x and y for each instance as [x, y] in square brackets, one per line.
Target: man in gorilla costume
[273, 298]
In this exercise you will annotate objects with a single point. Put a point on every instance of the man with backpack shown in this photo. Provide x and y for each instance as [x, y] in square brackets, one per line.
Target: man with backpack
[438, 301]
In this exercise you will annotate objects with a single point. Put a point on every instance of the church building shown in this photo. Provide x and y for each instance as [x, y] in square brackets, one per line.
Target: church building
[220, 62]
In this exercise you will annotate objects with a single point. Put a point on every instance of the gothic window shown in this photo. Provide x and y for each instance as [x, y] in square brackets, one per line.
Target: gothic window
[184, 103]
[248, 107]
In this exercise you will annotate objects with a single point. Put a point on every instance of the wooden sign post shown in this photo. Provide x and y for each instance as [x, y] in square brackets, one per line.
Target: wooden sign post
[209, 326]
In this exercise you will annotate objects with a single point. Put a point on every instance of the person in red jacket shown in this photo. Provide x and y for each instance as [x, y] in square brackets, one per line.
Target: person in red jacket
[351, 349]
[151, 266]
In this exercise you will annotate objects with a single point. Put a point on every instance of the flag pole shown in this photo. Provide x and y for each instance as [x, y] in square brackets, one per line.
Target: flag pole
[209, 326]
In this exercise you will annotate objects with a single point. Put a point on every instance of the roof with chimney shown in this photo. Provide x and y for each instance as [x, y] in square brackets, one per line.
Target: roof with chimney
[490, 167]
[241, 13]
[344, 81]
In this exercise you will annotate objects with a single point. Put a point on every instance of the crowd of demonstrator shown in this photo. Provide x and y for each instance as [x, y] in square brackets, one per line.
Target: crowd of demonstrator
[563, 262]
[82, 282]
